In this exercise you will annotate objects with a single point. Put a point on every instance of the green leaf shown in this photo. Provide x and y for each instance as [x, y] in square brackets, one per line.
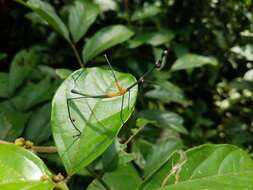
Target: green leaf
[165, 119]
[115, 156]
[167, 92]
[12, 124]
[189, 61]
[141, 148]
[63, 73]
[47, 12]
[125, 178]
[146, 12]
[98, 119]
[244, 51]
[32, 94]
[209, 167]
[82, 15]
[4, 83]
[152, 38]
[105, 39]
[248, 76]
[21, 169]
[107, 5]
[160, 155]
[38, 127]
[21, 67]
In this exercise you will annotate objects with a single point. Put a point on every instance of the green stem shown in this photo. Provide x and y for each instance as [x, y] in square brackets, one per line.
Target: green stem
[82, 65]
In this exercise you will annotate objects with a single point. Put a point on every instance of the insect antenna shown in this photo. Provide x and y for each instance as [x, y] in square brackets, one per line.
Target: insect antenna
[159, 64]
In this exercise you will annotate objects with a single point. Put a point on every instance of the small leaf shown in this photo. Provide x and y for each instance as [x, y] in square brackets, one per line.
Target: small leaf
[248, 76]
[244, 51]
[98, 119]
[160, 155]
[107, 5]
[209, 167]
[146, 12]
[189, 61]
[152, 38]
[21, 169]
[82, 15]
[105, 39]
[21, 67]
[165, 119]
[38, 127]
[167, 92]
[125, 178]
[4, 83]
[32, 94]
[12, 124]
[141, 148]
[115, 157]
[63, 73]
[47, 12]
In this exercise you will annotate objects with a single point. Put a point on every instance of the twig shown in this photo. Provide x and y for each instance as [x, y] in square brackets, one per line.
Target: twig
[38, 149]
[76, 54]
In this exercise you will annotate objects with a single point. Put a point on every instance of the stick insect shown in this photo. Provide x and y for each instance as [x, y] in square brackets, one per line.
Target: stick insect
[120, 92]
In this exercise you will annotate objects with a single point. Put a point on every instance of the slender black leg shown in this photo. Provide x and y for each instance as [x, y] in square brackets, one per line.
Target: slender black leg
[121, 109]
[110, 66]
[76, 78]
[72, 120]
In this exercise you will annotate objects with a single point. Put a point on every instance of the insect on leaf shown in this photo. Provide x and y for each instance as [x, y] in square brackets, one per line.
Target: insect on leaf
[97, 119]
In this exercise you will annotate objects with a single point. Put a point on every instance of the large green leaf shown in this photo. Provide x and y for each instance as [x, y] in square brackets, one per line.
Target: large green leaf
[98, 119]
[125, 178]
[209, 167]
[105, 39]
[21, 67]
[189, 61]
[82, 15]
[165, 119]
[47, 13]
[22, 170]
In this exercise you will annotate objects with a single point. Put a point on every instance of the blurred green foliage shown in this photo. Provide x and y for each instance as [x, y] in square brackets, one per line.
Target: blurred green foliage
[203, 95]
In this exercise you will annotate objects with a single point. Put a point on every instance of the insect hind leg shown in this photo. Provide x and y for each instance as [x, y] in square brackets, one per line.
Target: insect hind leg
[72, 120]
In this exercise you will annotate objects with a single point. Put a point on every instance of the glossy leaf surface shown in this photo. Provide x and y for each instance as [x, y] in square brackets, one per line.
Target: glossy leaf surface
[98, 119]
[82, 15]
[105, 39]
[47, 13]
[22, 170]
[205, 167]
[189, 61]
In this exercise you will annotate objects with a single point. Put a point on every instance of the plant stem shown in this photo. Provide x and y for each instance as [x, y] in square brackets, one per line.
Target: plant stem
[76, 54]
[38, 149]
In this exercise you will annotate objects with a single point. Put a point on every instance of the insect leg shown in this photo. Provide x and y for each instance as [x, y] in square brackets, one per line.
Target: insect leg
[121, 109]
[79, 74]
[72, 120]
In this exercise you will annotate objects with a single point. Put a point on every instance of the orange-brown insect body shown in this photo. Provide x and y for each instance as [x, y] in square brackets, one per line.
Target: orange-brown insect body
[121, 91]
